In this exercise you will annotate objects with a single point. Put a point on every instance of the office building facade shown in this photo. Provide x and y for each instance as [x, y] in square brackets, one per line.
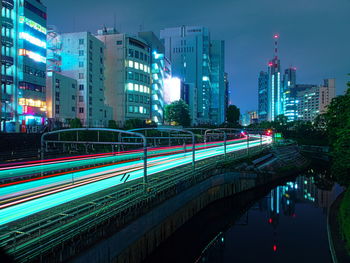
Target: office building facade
[127, 75]
[189, 50]
[83, 59]
[263, 84]
[160, 75]
[313, 100]
[23, 66]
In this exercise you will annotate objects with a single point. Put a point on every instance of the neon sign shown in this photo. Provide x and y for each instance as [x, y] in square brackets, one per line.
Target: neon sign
[32, 24]
[32, 103]
[32, 55]
[31, 39]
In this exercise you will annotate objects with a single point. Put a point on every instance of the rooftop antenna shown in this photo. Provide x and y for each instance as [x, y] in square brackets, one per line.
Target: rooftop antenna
[276, 37]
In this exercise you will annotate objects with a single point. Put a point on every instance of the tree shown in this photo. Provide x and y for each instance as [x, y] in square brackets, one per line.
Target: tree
[337, 119]
[178, 113]
[112, 124]
[75, 123]
[233, 114]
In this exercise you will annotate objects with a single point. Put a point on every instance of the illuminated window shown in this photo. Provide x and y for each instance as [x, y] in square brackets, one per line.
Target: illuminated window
[141, 88]
[130, 86]
[131, 64]
[136, 65]
[136, 87]
[141, 109]
[131, 109]
[136, 109]
[141, 66]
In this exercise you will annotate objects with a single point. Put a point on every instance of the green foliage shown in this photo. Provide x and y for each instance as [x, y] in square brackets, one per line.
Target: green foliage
[134, 124]
[344, 218]
[112, 124]
[178, 112]
[337, 122]
[75, 123]
[138, 123]
[233, 114]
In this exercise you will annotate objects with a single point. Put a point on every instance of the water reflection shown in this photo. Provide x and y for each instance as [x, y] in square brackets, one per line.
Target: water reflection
[287, 225]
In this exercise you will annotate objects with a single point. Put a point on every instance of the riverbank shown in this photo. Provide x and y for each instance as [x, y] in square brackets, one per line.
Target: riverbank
[338, 246]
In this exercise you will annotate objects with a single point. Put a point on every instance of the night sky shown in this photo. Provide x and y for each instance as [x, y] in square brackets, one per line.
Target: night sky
[314, 34]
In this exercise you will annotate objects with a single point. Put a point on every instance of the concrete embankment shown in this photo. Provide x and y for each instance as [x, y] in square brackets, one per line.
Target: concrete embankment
[137, 240]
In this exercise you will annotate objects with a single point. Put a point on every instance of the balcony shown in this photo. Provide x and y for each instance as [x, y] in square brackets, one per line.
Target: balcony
[7, 61]
[7, 79]
[7, 4]
[7, 22]
[7, 41]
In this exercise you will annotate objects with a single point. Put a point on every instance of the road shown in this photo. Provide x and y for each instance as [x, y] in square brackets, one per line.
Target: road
[29, 196]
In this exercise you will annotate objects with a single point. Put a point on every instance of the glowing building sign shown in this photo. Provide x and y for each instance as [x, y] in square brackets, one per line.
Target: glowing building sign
[32, 24]
[32, 55]
[32, 40]
[32, 103]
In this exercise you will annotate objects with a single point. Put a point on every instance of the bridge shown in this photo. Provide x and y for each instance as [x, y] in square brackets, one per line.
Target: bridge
[46, 202]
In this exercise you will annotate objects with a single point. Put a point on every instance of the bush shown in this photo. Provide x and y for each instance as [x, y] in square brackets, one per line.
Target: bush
[344, 219]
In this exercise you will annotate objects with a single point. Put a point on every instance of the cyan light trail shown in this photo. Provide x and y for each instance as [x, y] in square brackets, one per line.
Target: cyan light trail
[31, 207]
[56, 164]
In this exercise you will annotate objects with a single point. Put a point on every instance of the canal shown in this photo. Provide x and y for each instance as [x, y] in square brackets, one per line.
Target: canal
[284, 222]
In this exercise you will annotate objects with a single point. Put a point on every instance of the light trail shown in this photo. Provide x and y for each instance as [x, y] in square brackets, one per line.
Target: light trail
[93, 181]
[34, 167]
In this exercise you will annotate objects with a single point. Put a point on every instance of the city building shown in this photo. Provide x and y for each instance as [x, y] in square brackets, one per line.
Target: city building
[217, 78]
[83, 60]
[263, 84]
[61, 99]
[289, 83]
[61, 91]
[227, 94]
[313, 100]
[274, 97]
[127, 75]
[160, 74]
[23, 66]
[189, 50]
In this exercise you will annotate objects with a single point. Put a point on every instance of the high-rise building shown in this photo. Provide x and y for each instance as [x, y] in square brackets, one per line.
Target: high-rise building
[227, 94]
[188, 48]
[275, 106]
[289, 82]
[160, 74]
[83, 60]
[217, 79]
[263, 84]
[313, 100]
[61, 91]
[23, 66]
[127, 75]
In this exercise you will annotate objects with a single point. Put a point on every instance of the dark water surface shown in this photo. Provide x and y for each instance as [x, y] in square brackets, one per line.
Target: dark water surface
[285, 222]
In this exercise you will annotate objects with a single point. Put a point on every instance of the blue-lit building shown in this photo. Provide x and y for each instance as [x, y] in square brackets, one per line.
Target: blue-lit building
[160, 73]
[275, 91]
[23, 66]
[289, 90]
[263, 83]
[193, 55]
